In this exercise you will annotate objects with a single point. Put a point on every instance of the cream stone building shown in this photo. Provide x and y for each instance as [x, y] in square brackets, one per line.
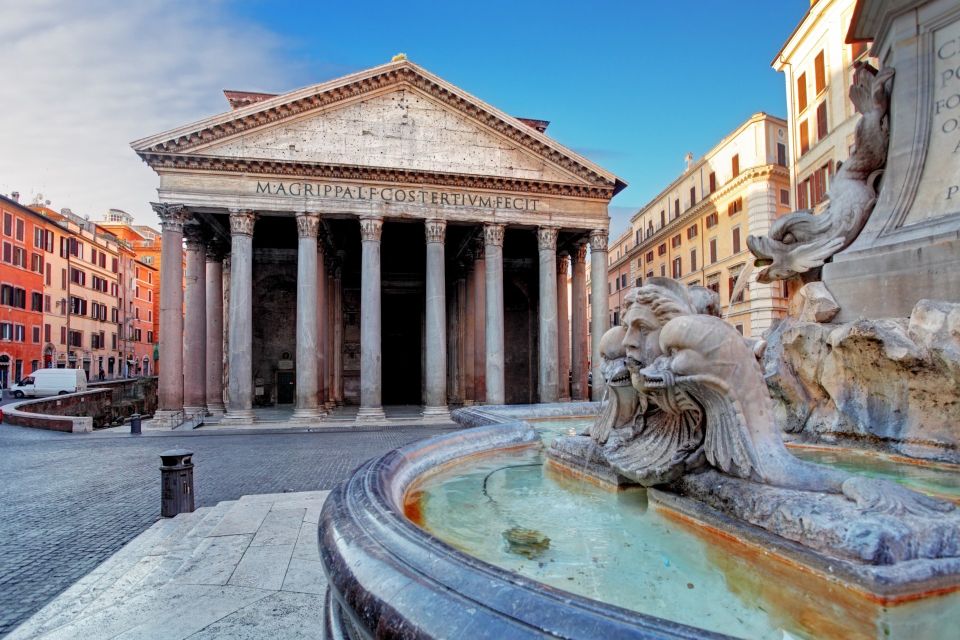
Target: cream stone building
[384, 238]
[696, 229]
[818, 67]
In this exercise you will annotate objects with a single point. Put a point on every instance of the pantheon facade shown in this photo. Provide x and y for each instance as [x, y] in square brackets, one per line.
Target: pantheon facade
[384, 238]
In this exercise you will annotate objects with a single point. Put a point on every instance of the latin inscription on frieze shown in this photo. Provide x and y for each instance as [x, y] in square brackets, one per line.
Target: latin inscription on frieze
[939, 192]
[398, 195]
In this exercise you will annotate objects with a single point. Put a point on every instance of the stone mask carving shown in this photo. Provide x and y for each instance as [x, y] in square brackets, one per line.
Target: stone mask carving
[804, 240]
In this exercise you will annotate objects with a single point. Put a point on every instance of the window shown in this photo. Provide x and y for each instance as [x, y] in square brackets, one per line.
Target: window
[39, 237]
[19, 333]
[623, 283]
[735, 207]
[46, 303]
[20, 228]
[76, 338]
[803, 199]
[96, 340]
[150, 333]
[691, 232]
[649, 274]
[676, 207]
[781, 154]
[822, 120]
[136, 335]
[819, 184]
[35, 334]
[804, 137]
[739, 328]
[114, 315]
[20, 257]
[149, 296]
[7, 224]
[46, 333]
[637, 283]
[858, 50]
[36, 262]
[732, 281]
[677, 268]
[693, 260]
[49, 274]
[820, 73]
[113, 341]
[663, 218]
[36, 301]
[78, 306]
[7, 252]
[675, 241]
[63, 335]
[801, 92]
[713, 182]
[649, 233]
[735, 165]
[712, 220]
[713, 250]
[662, 249]
[6, 331]
[736, 239]
[785, 197]
[714, 286]
[650, 256]
[693, 196]
[663, 271]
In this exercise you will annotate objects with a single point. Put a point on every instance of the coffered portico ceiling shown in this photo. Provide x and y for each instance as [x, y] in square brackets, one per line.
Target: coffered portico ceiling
[396, 123]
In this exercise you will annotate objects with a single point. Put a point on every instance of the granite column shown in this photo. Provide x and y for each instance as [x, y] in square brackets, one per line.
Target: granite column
[578, 335]
[563, 327]
[493, 249]
[170, 389]
[307, 326]
[599, 307]
[370, 321]
[548, 370]
[195, 324]
[435, 393]
[214, 350]
[240, 347]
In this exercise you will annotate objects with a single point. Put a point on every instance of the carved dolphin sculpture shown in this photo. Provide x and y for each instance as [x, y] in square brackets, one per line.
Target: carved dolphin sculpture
[805, 240]
[706, 359]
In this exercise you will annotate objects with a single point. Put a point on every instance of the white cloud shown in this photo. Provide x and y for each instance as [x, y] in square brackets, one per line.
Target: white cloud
[81, 80]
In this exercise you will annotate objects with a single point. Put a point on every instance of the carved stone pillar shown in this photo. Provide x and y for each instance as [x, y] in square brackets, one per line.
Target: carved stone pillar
[214, 350]
[435, 375]
[599, 307]
[493, 249]
[323, 326]
[479, 329]
[578, 339]
[548, 369]
[563, 327]
[469, 334]
[338, 335]
[370, 324]
[240, 349]
[307, 329]
[195, 324]
[170, 389]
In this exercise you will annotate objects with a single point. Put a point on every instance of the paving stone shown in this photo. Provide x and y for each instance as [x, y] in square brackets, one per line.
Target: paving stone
[107, 485]
[279, 527]
[263, 567]
[305, 576]
[307, 544]
[291, 616]
[214, 560]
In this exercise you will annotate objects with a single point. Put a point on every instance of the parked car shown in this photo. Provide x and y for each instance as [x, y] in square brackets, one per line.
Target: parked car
[51, 382]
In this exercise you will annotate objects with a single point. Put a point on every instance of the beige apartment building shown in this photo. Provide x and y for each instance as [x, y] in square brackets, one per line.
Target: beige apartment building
[818, 68]
[619, 276]
[81, 288]
[696, 229]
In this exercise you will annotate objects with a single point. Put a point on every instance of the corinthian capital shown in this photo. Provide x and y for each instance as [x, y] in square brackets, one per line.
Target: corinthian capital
[308, 225]
[493, 235]
[580, 255]
[478, 249]
[193, 235]
[370, 228]
[172, 216]
[241, 222]
[562, 262]
[547, 238]
[598, 240]
[436, 230]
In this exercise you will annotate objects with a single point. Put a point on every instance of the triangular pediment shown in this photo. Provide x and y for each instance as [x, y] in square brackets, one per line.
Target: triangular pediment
[396, 116]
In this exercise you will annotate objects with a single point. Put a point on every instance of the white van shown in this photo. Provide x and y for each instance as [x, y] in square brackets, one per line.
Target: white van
[51, 382]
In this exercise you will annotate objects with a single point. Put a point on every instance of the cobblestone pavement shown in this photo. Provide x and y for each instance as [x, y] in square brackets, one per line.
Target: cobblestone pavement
[67, 502]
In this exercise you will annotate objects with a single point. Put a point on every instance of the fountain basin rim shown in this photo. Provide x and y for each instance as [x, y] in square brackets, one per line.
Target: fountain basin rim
[390, 578]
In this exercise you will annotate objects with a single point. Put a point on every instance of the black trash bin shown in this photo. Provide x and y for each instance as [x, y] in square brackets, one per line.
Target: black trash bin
[135, 423]
[176, 482]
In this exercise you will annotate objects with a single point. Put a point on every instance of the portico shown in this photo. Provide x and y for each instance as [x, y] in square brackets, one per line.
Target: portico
[392, 240]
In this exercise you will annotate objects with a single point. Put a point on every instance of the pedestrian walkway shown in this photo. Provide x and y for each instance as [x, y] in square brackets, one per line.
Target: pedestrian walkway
[247, 568]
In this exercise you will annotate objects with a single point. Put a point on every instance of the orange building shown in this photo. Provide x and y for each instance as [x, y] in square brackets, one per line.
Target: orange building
[25, 243]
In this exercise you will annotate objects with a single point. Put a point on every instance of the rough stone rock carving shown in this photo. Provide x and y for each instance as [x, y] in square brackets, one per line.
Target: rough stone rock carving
[804, 240]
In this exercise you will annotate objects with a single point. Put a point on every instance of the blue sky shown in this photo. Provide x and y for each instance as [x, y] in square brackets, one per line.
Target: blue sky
[633, 86]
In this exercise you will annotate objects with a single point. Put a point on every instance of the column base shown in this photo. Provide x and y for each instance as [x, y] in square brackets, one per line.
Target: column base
[216, 409]
[371, 414]
[238, 417]
[165, 419]
[309, 414]
[195, 411]
[433, 413]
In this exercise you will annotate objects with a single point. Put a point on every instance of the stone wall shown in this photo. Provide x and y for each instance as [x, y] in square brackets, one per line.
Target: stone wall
[893, 383]
[73, 412]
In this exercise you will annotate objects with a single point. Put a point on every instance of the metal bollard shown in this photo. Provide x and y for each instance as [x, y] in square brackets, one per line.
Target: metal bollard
[135, 423]
[176, 482]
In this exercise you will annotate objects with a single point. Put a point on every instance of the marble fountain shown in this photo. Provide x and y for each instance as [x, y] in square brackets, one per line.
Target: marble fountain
[801, 486]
